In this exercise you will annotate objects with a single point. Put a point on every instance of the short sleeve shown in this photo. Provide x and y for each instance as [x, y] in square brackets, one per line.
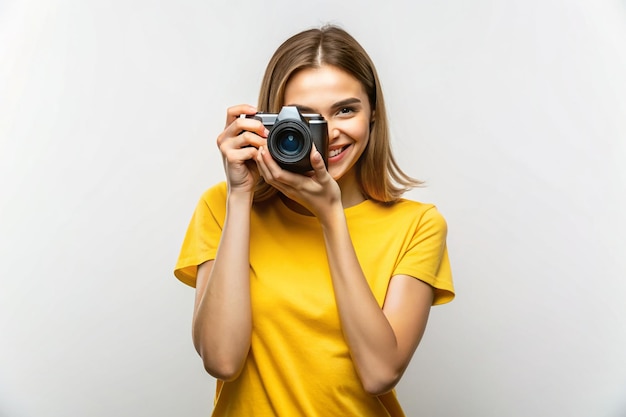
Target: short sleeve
[203, 234]
[426, 256]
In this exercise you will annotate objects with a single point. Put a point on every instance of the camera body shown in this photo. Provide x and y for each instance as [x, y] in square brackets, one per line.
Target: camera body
[292, 135]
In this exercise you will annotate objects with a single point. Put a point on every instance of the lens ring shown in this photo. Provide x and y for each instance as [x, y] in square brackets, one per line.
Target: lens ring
[290, 142]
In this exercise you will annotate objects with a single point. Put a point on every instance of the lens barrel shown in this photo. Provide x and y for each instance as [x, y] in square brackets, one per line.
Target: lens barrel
[290, 143]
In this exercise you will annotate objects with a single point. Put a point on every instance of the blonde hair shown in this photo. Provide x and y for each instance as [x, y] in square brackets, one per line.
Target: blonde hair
[378, 174]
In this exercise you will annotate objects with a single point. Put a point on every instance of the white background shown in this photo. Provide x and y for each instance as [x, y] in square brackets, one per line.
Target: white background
[514, 112]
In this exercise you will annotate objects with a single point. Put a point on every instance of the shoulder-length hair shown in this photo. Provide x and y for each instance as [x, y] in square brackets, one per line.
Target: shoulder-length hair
[378, 174]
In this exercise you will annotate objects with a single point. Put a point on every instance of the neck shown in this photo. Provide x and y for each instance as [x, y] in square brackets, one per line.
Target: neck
[351, 193]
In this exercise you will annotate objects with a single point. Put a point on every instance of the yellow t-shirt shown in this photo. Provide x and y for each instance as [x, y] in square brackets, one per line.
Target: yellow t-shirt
[299, 363]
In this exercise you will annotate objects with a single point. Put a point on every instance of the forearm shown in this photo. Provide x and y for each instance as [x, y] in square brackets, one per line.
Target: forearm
[367, 330]
[222, 322]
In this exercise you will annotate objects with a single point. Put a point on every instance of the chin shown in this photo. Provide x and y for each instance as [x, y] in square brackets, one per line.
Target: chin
[342, 176]
[336, 172]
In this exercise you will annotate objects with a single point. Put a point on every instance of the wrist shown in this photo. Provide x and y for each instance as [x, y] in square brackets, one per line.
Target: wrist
[332, 216]
[239, 198]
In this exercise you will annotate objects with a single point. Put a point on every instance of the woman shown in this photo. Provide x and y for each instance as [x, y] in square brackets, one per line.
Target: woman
[313, 290]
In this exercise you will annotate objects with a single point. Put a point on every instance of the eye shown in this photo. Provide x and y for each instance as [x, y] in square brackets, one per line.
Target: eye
[344, 111]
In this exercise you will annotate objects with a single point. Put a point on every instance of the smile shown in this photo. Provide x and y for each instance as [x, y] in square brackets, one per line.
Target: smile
[334, 152]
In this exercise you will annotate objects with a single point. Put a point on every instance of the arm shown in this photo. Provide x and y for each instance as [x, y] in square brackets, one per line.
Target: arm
[381, 342]
[222, 322]
[222, 319]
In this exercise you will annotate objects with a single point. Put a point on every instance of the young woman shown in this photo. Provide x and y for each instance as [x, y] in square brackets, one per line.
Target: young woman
[313, 290]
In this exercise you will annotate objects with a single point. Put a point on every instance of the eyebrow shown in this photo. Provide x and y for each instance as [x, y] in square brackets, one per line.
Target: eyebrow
[341, 103]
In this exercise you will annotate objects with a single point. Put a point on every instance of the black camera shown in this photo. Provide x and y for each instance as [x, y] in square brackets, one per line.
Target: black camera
[292, 135]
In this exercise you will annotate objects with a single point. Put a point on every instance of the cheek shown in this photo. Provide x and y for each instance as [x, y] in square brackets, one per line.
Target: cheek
[358, 131]
[363, 133]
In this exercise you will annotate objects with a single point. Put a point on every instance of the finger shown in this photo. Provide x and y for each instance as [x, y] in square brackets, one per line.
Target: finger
[248, 125]
[317, 162]
[268, 169]
[234, 112]
[271, 171]
[237, 155]
[260, 162]
[246, 141]
[251, 139]
[257, 131]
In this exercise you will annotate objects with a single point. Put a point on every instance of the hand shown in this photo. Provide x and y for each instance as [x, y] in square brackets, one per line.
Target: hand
[239, 143]
[316, 190]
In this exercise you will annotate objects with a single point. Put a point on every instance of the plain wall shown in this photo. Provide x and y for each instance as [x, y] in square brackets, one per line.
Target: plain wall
[514, 112]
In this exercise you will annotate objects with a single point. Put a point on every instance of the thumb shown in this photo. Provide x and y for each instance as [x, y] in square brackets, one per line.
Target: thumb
[317, 162]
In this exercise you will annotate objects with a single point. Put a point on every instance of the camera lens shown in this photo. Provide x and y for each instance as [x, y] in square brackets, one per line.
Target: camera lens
[290, 142]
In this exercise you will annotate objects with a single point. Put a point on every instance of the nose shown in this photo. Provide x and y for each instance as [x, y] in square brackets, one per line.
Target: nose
[333, 133]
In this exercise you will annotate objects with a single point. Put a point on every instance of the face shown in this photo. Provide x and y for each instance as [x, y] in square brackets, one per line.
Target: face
[341, 99]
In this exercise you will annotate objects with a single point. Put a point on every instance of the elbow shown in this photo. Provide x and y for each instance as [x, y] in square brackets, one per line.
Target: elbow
[224, 366]
[381, 383]
[224, 370]
[221, 361]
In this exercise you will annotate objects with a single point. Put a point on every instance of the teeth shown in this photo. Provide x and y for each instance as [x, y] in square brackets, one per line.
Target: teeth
[334, 152]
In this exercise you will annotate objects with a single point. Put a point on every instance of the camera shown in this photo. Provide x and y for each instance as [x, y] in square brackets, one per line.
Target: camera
[292, 135]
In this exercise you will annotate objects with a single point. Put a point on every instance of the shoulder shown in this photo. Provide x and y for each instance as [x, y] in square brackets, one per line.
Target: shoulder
[423, 218]
[212, 202]
[422, 212]
[429, 216]
[217, 193]
[404, 216]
